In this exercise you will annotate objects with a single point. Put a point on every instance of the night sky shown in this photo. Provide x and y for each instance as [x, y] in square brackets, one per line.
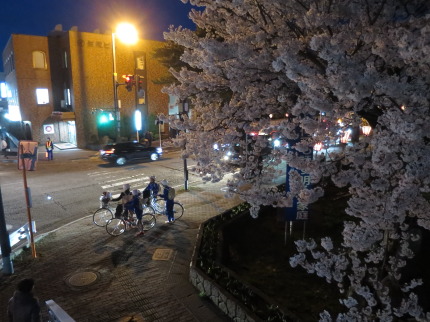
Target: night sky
[39, 17]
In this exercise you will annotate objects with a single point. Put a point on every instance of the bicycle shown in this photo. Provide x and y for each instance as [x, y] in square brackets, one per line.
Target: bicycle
[117, 226]
[159, 205]
[105, 213]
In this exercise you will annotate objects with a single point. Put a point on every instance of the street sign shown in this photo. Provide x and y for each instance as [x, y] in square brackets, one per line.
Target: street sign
[27, 155]
[298, 211]
[48, 128]
[21, 234]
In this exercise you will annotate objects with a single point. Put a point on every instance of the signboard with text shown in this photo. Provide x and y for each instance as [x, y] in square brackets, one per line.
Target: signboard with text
[298, 211]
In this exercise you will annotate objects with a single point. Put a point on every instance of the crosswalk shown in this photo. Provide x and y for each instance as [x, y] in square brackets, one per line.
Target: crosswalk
[114, 181]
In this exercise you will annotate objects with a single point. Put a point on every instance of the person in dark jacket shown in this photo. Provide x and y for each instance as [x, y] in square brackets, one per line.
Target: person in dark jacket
[125, 197]
[23, 306]
[152, 188]
[169, 202]
[137, 208]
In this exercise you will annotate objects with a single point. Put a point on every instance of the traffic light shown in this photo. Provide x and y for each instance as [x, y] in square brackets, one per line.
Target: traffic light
[129, 82]
[140, 87]
[140, 83]
[104, 118]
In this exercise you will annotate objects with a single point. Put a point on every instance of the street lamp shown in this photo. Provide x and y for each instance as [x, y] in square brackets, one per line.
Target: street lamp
[128, 35]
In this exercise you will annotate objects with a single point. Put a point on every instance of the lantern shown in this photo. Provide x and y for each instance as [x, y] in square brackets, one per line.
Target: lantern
[366, 129]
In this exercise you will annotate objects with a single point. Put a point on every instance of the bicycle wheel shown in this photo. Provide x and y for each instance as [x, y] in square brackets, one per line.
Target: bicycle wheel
[160, 205]
[178, 210]
[148, 221]
[102, 216]
[116, 227]
[148, 218]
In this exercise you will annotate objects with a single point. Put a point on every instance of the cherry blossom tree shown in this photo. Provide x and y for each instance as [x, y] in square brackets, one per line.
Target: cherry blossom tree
[364, 59]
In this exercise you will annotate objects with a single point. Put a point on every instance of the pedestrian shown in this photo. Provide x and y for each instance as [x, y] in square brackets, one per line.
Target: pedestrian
[169, 197]
[125, 197]
[148, 136]
[4, 147]
[151, 189]
[49, 149]
[138, 210]
[23, 306]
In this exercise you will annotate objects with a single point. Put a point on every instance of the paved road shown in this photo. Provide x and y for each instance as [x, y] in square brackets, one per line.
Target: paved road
[68, 188]
[145, 277]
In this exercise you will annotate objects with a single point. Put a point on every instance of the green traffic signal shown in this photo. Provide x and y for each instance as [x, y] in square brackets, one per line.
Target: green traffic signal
[105, 118]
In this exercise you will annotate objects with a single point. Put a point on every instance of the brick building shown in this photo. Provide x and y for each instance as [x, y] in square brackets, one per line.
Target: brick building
[62, 86]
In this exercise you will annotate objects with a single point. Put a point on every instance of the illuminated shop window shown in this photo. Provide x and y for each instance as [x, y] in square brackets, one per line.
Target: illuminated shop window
[42, 95]
[67, 96]
[3, 90]
[39, 60]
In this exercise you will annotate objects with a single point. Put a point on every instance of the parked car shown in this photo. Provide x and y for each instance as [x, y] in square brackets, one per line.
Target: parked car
[122, 153]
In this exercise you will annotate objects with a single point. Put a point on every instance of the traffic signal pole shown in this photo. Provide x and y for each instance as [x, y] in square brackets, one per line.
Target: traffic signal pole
[136, 100]
[116, 106]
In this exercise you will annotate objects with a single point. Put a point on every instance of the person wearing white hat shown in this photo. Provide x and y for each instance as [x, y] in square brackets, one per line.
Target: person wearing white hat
[169, 201]
[125, 197]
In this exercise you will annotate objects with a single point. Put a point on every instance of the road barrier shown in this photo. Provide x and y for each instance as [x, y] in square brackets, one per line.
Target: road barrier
[56, 313]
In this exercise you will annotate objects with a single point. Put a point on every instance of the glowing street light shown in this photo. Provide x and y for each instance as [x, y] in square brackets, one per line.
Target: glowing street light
[318, 146]
[127, 34]
[137, 122]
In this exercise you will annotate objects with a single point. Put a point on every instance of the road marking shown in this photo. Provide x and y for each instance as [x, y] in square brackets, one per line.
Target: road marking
[122, 182]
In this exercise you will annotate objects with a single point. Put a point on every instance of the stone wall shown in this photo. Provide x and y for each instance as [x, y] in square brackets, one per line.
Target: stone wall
[222, 299]
[232, 305]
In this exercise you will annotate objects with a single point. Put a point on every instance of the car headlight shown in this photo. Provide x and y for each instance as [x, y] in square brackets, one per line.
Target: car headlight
[159, 150]
[276, 143]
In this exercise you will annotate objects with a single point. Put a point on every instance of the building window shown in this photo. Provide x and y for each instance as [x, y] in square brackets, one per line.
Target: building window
[9, 65]
[65, 60]
[3, 90]
[42, 95]
[39, 60]
[67, 97]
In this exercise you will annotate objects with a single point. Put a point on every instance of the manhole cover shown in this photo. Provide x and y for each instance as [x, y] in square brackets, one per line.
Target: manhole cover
[162, 254]
[83, 279]
[132, 318]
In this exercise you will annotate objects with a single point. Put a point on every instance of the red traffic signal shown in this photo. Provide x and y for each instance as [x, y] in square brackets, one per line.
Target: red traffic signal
[129, 82]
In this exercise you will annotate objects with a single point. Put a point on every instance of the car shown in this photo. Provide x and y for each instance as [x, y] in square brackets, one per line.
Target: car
[124, 152]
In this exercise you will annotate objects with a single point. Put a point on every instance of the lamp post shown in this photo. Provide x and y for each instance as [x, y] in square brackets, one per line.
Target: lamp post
[116, 106]
[127, 34]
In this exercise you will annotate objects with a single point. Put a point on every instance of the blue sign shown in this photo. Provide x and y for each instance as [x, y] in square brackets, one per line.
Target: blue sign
[298, 211]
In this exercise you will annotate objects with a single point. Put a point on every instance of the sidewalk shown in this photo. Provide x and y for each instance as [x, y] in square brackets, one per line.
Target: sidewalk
[96, 277]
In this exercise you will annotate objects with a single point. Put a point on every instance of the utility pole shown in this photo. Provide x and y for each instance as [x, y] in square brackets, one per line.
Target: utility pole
[5, 242]
[116, 103]
[185, 111]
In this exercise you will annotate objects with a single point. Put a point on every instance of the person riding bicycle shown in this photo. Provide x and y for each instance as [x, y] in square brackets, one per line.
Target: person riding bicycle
[105, 198]
[151, 189]
[125, 197]
[137, 208]
[169, 202]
